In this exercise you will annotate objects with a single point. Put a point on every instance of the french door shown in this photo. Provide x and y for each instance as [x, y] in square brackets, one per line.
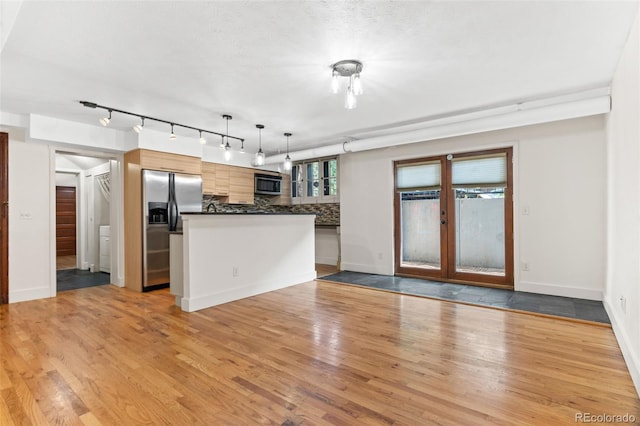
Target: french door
[454, 217]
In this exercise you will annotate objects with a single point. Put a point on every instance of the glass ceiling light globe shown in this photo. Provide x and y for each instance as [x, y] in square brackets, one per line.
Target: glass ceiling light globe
[287, 163]
[260, 158]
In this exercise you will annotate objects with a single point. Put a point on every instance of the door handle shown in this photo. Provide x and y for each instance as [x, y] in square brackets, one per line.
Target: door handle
[443, 222]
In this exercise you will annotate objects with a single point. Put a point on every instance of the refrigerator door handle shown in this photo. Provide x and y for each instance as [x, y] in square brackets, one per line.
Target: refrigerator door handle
[172, 205]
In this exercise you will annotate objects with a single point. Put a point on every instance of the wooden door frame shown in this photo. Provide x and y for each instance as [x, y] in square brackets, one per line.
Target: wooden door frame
[4, 217]
[447, 271]
[507, 279]
[436, 274]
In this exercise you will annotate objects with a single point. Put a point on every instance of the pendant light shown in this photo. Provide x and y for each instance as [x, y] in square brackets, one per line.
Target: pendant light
[259, 154]
[172, 136]
[227, 147]
[202, 139]
[287, 159]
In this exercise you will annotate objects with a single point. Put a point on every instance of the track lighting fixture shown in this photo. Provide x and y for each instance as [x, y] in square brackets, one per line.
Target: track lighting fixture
[351, 69]
[105, 120]
[287, 159]
[242, 147]
[259, 155]
[137, 128]
[227, 147]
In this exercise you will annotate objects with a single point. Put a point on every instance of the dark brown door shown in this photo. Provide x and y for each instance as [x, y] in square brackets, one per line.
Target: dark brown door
[4, 218]
[65, 220]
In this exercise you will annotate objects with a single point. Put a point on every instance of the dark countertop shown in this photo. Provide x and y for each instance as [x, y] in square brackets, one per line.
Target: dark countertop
[251, 213]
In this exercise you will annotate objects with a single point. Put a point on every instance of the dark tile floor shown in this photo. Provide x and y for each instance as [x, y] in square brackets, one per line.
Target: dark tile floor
[589, 310]
[73, 279]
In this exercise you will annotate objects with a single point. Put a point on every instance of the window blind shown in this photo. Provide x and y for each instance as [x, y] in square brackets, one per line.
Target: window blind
[478, 172]
[418, 177]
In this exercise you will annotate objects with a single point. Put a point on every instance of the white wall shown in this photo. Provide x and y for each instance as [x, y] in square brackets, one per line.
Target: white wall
[66, 179]
[30, 266]
[559, 173]
[622, 293]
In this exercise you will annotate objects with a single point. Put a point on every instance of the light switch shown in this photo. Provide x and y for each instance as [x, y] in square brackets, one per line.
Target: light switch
[525, 210]
[25, 215]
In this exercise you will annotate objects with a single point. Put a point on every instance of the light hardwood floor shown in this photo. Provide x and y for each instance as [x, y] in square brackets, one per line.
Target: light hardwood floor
[315, 353]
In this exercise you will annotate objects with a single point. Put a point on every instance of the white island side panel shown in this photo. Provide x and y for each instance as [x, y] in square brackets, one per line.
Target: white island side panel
[230, 257]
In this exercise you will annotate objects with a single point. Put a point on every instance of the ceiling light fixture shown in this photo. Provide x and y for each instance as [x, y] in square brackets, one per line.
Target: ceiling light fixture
[104, 121]
[227, 147]
[138, 127]
[350, 68]
[287, 159]
[172, 136]
[259, 154]
[202, 139]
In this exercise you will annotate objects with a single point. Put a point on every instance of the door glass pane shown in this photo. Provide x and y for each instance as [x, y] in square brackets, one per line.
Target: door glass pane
[313, 179]
[479, 222]
[420, 225]
[296, 181]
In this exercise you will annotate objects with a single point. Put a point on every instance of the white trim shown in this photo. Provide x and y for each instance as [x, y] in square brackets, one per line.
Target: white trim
[31, 293]
[229, 295]
[377, 269]
[559, 290]
[326, 260]
[52, 225]
[631, 357]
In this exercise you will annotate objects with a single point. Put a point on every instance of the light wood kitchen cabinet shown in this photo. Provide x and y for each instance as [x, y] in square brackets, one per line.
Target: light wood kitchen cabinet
[222, 180]
[284, 199]
[155, 160]
[241, 185]
[208, 178]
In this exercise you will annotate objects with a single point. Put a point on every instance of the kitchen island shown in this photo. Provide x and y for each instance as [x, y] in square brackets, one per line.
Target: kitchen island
[230, 256]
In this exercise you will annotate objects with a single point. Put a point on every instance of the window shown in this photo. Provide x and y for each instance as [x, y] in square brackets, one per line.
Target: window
[315, 181]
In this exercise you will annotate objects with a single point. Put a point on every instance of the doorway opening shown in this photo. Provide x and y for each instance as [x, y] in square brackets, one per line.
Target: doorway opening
[454, 218]
[83, 221]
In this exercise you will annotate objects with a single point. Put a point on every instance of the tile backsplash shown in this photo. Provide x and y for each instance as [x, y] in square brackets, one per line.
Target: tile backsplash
[327, 213]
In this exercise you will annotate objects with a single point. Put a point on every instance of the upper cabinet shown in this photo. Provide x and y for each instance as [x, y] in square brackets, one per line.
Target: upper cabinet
[155, 160]
[236, 185]
[241, 185]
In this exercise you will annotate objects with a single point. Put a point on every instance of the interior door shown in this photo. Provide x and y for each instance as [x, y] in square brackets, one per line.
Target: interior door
[454, 218]
[65, 220]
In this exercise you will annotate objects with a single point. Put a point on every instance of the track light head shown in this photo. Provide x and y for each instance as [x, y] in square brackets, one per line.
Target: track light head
[202, 139]
[105, 120]
[138, 127]
[172, 136]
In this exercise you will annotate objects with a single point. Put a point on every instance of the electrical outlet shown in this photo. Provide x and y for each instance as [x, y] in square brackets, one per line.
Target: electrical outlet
[235, 271]
[525, 266]
[525, 211]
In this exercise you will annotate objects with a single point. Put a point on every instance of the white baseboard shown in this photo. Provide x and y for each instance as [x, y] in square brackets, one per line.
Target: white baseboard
[29, 294]
[326, 260]
[230, 295]
[631, 357]
[559, 290]
[365, 268]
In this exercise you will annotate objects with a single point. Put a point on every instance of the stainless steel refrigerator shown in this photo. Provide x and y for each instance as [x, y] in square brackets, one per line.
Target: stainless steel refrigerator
[164, 196]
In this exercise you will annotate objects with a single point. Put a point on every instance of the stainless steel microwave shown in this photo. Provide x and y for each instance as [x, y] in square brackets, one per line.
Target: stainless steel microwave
[268, 184]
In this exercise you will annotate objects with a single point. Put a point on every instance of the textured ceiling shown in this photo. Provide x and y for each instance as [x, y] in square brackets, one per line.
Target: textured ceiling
[269, 61]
